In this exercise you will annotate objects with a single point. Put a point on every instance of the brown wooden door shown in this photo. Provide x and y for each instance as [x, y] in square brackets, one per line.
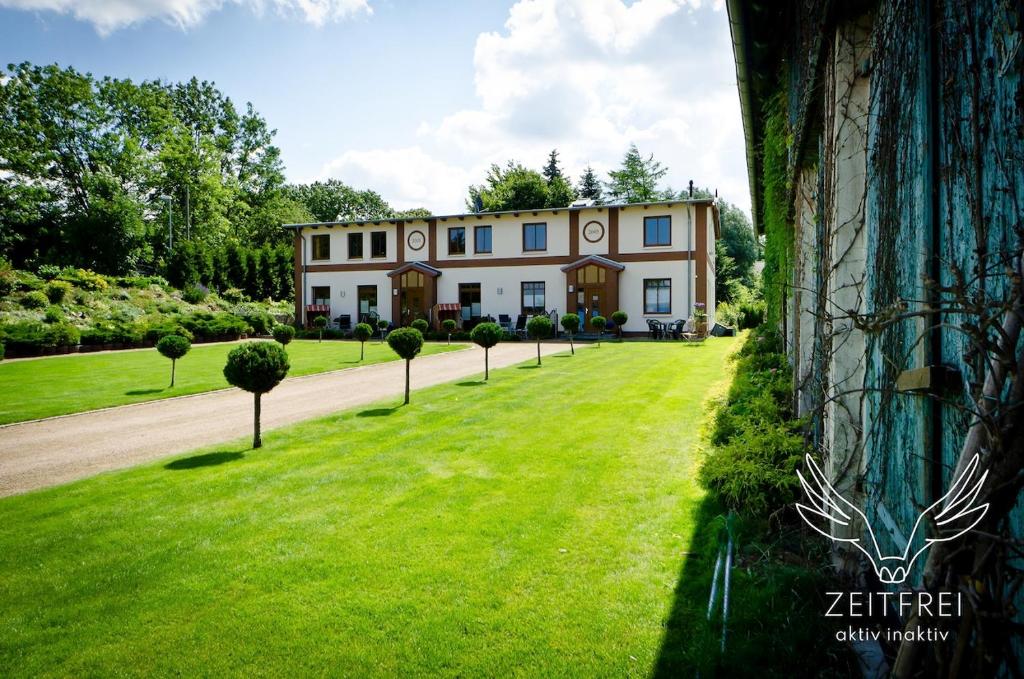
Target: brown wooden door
[594, 303]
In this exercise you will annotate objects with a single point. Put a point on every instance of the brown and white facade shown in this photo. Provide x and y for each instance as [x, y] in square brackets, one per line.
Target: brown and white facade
[651, 260]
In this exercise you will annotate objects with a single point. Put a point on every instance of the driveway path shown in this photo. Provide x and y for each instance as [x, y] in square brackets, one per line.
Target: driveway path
[61, 449]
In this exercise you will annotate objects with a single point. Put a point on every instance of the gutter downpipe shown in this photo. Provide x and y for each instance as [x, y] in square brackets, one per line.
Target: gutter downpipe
[735, 11]
[302, 308]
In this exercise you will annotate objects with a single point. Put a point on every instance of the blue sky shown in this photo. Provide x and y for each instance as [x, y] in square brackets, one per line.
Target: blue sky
[415, 99]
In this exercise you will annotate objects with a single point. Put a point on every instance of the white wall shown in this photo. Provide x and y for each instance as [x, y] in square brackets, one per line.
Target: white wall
[631, 228]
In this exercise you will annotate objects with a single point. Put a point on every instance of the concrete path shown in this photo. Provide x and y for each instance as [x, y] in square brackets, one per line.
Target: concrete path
[61, 449]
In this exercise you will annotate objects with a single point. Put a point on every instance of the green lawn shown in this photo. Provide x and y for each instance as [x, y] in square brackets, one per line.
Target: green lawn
[536, 525]
[75, 383]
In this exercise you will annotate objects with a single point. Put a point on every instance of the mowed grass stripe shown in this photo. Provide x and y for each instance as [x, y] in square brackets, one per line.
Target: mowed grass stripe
[70, 384]
[534, 525]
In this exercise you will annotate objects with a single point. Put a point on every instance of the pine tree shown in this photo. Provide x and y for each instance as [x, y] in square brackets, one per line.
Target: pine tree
[590, 185]
[551, 170]
[637, 180]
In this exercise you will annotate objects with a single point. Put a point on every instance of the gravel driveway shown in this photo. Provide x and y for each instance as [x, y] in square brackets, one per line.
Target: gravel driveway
[61, 449]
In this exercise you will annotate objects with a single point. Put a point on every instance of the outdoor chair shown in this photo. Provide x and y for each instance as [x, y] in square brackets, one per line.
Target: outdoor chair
[520, 329]
[505, 321]
[344, 322]
[676, 328]
[656, 328]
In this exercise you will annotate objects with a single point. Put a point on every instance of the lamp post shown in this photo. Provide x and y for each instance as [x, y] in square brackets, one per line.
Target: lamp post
[170, 222]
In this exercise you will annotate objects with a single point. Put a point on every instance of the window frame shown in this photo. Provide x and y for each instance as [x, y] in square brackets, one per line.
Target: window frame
[359, 300]
[522, 297]
[383, 237]
[648, 244]
[480, 296]
[476, 240]
[319, 238]
[356, 237]
[526, 226]
[451, 230]
[647, 311]
[313, 299]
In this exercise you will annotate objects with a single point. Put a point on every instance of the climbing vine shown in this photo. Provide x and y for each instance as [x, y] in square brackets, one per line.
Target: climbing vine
[778, 227]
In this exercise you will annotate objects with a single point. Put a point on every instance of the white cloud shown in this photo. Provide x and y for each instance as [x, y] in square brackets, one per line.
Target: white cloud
[110, 15]
[588, 77]
[406, 177]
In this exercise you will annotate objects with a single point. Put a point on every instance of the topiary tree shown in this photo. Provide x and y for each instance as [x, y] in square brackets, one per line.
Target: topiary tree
[382, 325]
[599, 322]
[538, 328]
[619, 318]
[320, 322]
[173, 347]
[421, 325]
[256, 367]
[406, 342]
[571, 324]
[362, 332]
[449, 326]
[487, 335]
[284, 333]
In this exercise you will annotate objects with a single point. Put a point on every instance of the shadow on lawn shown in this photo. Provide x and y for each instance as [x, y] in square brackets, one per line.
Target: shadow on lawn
[470, 384]
[204, 460]
[776, 624]
[529, 367]
[378, 412]
[142, 392]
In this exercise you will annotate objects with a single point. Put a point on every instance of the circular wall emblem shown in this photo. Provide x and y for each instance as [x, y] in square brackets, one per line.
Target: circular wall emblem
[416, 240]
[593, 231]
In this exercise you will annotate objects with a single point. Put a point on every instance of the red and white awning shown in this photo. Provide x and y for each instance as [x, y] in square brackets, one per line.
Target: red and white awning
[449, 307]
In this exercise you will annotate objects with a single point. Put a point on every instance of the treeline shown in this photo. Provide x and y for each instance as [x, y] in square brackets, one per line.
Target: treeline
[257, 273]
[105, 173]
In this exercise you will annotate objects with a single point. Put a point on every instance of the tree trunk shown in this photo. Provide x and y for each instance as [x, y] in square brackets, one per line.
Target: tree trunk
[320, 336]
[257, 442]
[571, 347]
[407, 362]
[362, 350]
[449, 339]
[487, 367]
[173, 361]
[538, 352]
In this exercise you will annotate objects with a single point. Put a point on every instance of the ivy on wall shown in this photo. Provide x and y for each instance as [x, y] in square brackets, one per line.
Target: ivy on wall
[778, 228]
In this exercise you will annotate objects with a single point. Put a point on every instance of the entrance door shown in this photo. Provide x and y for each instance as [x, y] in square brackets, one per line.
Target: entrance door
[590, 295]
[413, 300]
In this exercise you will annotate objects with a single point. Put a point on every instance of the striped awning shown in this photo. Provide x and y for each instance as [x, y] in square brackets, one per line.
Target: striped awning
[449, 307]
[316, 308]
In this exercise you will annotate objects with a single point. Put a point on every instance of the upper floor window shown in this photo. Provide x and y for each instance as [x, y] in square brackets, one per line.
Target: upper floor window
[535, 237]
[378, 244]
[482, 240]
[457, 240]
[657, 231]
[355, 245]
[321, 246]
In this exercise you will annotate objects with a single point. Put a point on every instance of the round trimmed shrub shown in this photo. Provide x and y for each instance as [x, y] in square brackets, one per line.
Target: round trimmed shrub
[599, 322]
[407, 343]
[320, 322]
[256, 367]
[34, 300]
[362, 332]
[538, 328]
[571, 325]
[56, 291]
[284, 333]
[487, 335]
[421, 325]
[619, 318]
[173, 347]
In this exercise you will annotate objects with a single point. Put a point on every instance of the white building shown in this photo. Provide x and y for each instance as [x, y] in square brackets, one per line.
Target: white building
[651, 260]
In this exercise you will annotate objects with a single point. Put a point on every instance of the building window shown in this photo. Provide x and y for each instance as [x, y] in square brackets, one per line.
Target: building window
[355, 245]
[533, 297]
[378, 244]
[321, 294]
[469, 298]
[321, 247]
[657, 295]
[367, 296]
[657, 231]
[457, 240]
[535, 237]
[482, 240]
